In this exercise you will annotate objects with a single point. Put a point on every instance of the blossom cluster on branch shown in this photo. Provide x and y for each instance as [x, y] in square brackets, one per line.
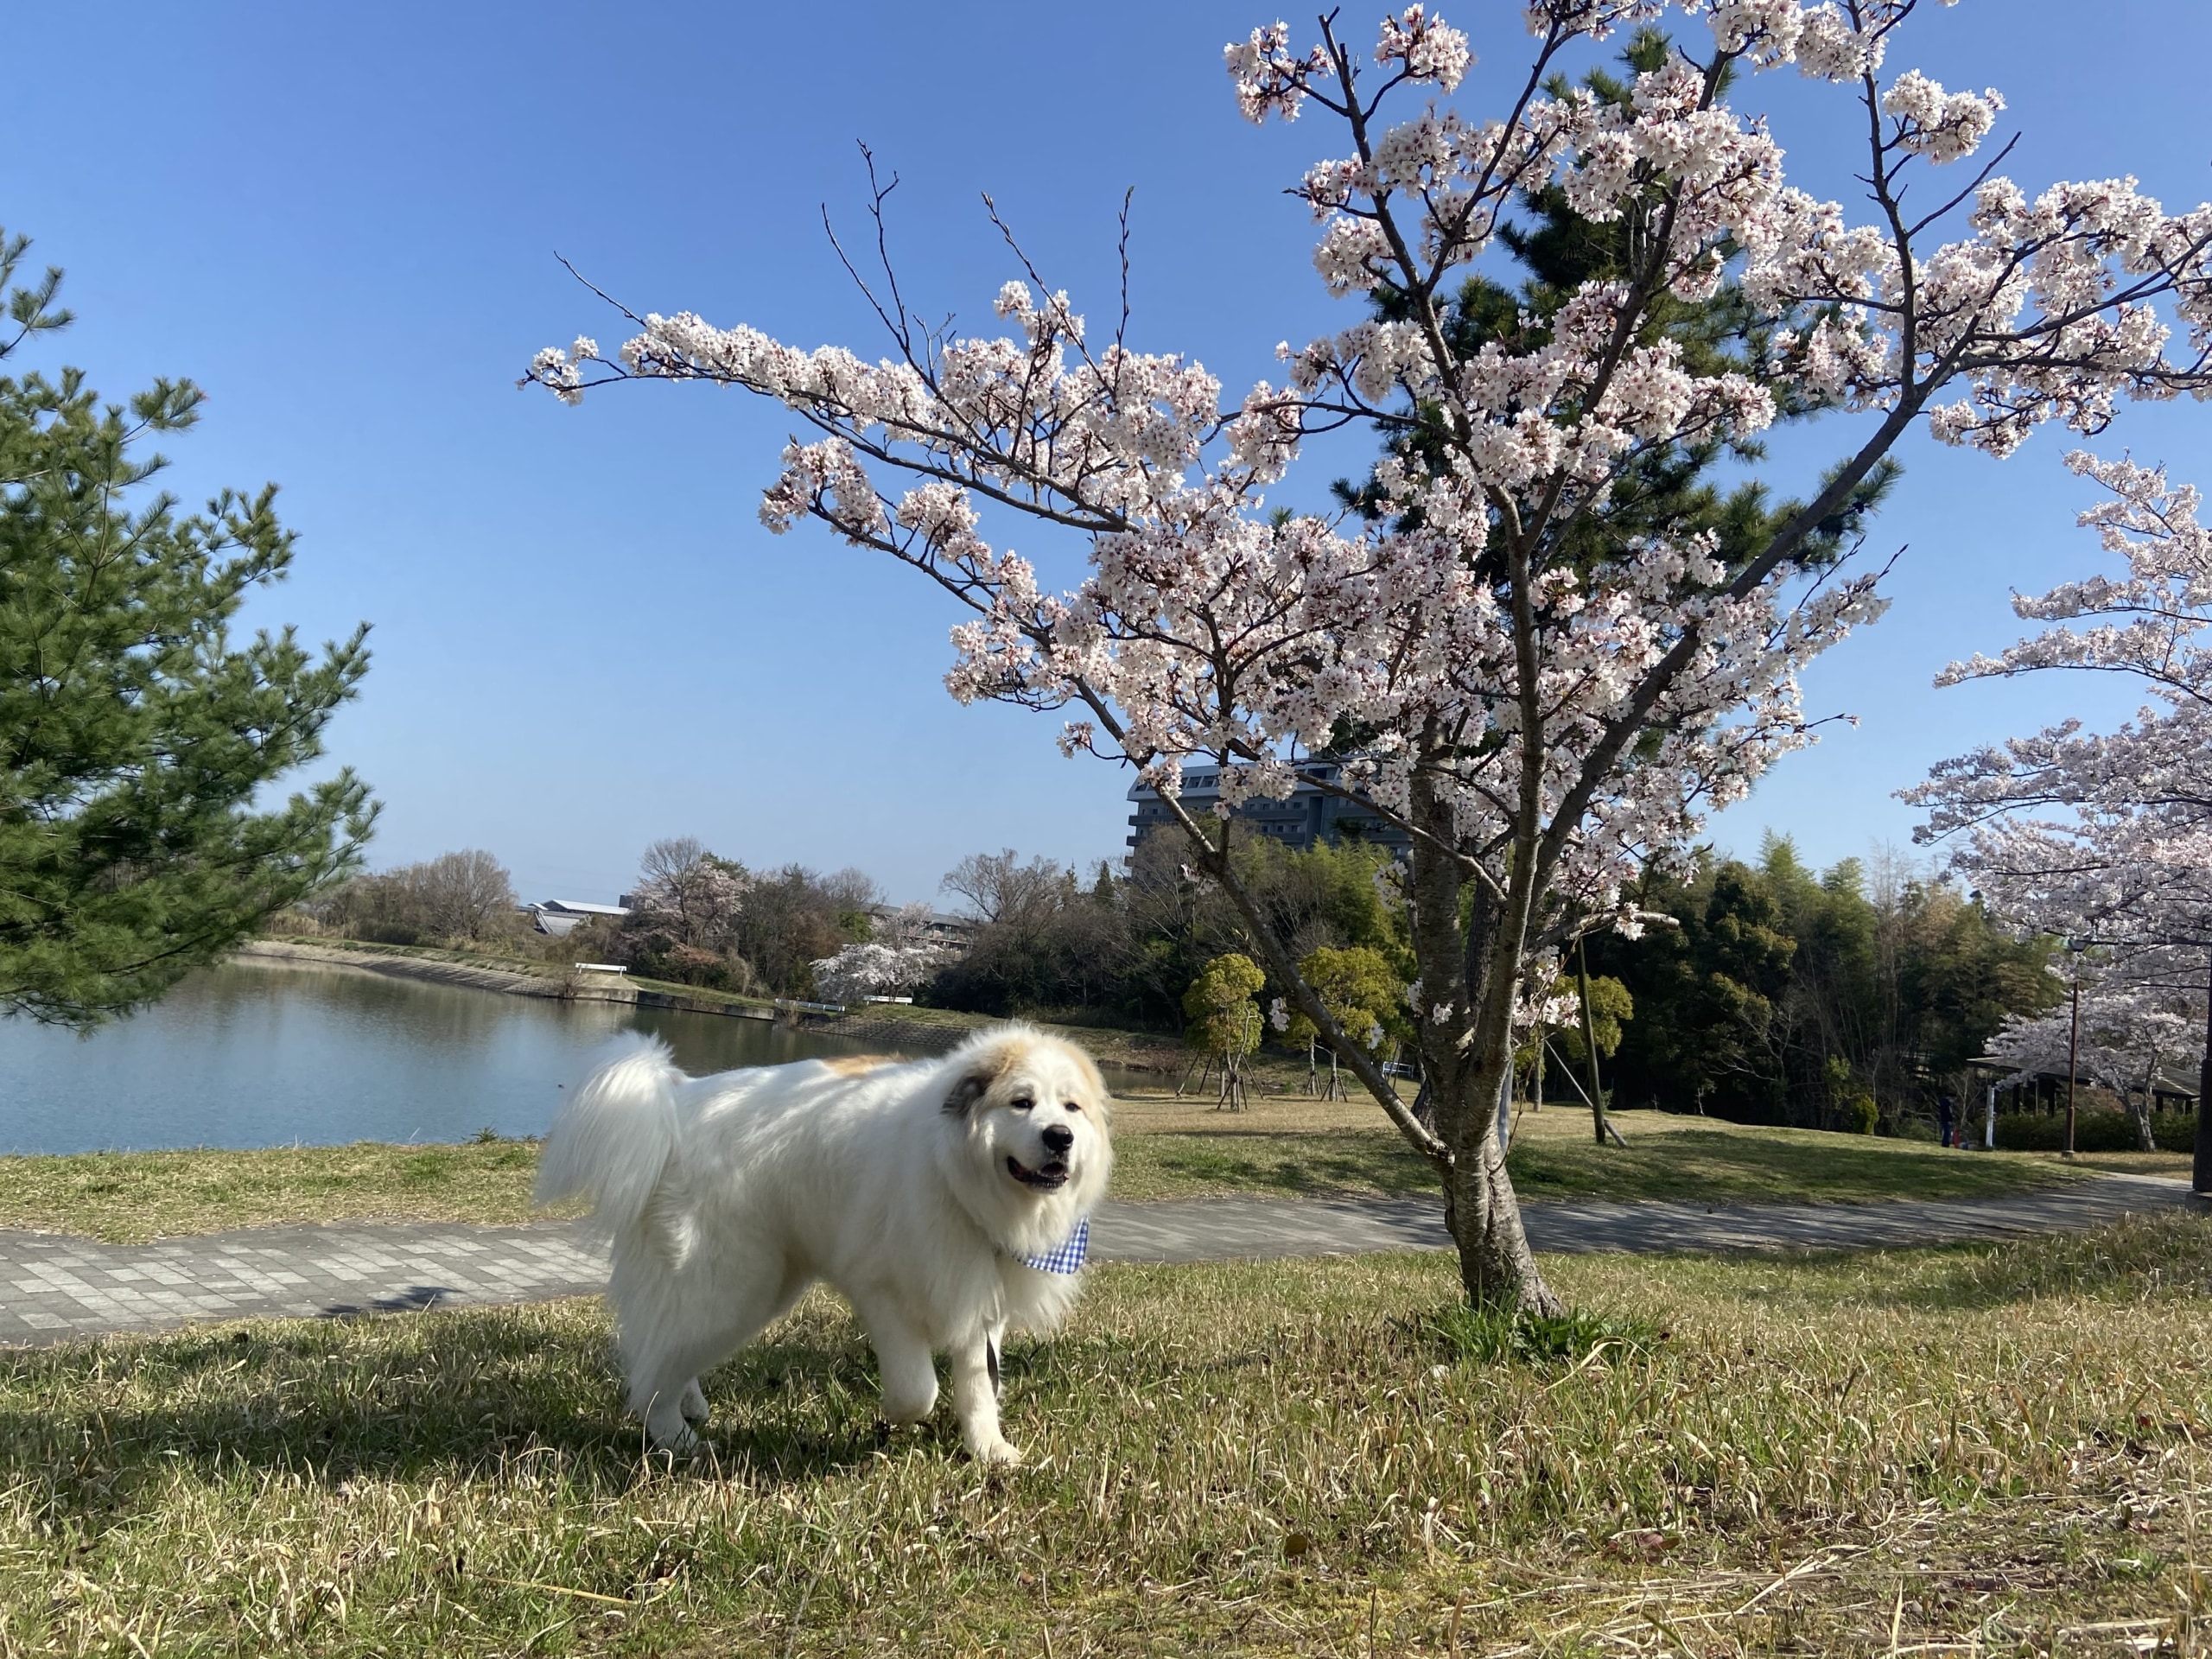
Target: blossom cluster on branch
[2106, 837]
[875, 968]
[1542, 723]
[2127, 1033]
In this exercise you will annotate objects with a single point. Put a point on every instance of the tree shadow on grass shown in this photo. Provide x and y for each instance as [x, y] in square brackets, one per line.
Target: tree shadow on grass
[1716, 1167]
[87, 1427]
[1300, 1165]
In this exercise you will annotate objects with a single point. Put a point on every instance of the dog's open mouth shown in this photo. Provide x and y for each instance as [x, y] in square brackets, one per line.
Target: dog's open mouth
[1048, 1179]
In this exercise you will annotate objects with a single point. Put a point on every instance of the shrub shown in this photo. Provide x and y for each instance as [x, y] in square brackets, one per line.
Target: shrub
[1488, 1336]
[2094, 1131]
[1858, 1114]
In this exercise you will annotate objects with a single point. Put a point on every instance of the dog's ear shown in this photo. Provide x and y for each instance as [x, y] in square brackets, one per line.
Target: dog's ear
[991, 1061]
[967, 1088]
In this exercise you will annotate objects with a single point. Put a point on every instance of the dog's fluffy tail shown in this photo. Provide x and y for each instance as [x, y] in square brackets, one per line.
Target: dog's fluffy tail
[613, 1139]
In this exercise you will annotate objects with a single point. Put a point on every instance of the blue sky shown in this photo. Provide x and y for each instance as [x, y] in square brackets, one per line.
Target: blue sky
[343, 223]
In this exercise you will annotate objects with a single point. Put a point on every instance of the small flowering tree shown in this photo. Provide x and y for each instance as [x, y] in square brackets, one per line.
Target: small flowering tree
[875, 968]
[1540, 708]
[690, 893]
[2126, 1032]
[2107, 837]
[901, 956]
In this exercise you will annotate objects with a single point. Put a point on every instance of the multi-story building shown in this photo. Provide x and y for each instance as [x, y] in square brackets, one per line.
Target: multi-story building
[1312, 814]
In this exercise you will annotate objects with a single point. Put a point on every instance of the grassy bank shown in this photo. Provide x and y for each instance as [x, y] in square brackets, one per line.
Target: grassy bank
[1165, 1149]
[1997, 1449]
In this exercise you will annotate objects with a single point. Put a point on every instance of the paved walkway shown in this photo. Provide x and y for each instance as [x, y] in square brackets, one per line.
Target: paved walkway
[54, 1287]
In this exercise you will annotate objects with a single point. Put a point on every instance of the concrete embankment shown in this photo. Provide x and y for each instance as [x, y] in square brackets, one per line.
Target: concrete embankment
[907, 1036]
[514, 982]
[901, 1036]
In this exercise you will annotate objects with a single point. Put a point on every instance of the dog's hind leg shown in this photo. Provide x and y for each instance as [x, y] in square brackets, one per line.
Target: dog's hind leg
[694, 1403]
[672, 1334]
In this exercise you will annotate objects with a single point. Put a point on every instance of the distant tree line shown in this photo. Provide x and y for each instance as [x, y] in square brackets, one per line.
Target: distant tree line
[1822, 1000]
[1830, 1000]
[1125, 948]
[700, 918]
[457, 899]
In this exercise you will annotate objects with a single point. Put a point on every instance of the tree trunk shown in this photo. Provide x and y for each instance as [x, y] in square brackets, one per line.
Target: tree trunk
[1470, 972]
[1495, 1262]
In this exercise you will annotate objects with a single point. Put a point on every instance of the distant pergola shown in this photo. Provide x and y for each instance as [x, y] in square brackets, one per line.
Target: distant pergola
[2170, 1090]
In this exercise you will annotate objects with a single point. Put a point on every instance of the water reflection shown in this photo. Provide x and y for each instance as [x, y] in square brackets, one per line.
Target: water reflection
[252, 1056]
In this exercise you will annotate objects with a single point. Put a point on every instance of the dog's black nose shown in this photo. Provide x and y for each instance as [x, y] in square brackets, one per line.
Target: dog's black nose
[1059, 1138]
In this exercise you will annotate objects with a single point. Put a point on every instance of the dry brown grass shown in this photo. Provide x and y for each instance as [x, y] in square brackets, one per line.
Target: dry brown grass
[1978, 1450]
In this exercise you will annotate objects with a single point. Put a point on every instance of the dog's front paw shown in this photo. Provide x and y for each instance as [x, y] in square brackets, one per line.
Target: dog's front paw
[675, 1437]
[997, 1454]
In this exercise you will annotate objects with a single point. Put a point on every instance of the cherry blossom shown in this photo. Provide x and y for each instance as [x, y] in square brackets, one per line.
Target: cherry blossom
[2129, 1032]
[2107, 837]
[1543, 728]
[2104, 836]
[875, 968]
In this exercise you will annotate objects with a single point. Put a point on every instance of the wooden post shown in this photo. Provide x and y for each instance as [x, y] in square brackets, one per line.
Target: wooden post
[2201, 1173]
[2073, 1057]
[1590, 1042]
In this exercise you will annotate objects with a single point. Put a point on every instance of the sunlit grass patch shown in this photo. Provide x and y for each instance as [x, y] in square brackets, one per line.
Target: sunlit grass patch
[1164, 1149]
[129, 1197]
[1983, 1444]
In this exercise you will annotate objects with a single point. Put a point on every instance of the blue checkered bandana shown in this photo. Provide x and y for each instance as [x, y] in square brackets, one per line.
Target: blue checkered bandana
[1066, 1258]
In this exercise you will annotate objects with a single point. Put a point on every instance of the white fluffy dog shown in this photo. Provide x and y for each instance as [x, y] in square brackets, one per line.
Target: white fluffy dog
[946, 1199]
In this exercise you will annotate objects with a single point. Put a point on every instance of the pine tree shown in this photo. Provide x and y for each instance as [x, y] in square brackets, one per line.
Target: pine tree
[137, 737]
[1668, 488]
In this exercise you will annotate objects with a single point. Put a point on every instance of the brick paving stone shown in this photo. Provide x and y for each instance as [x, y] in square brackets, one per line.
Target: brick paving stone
[52, 1288]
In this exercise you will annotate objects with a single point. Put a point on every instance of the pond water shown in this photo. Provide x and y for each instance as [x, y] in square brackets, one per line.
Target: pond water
[254, 1056]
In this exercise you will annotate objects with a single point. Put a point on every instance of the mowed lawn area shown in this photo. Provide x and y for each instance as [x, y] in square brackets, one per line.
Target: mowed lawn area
[1165, 1148]
[1964, 1449]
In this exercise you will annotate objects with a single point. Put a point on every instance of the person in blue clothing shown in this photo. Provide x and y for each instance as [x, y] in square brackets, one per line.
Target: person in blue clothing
[1947, 1116]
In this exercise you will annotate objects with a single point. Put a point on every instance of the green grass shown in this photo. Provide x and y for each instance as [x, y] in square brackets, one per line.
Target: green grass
[1997, 1448]
[1699, 1161]
[476, 957]
[1202, 1163]
[129, 1196]
[1667, 1158]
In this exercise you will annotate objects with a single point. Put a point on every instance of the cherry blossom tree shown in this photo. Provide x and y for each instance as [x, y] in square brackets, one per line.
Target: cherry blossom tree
[1540, 720]
[2107, 837]
[902, 955]
[2128, 1029]
[875, 968]
[687, 891]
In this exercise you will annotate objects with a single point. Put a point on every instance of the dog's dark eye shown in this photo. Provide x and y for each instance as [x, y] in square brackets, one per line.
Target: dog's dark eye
[1073, 1105]
[1021, 1102]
